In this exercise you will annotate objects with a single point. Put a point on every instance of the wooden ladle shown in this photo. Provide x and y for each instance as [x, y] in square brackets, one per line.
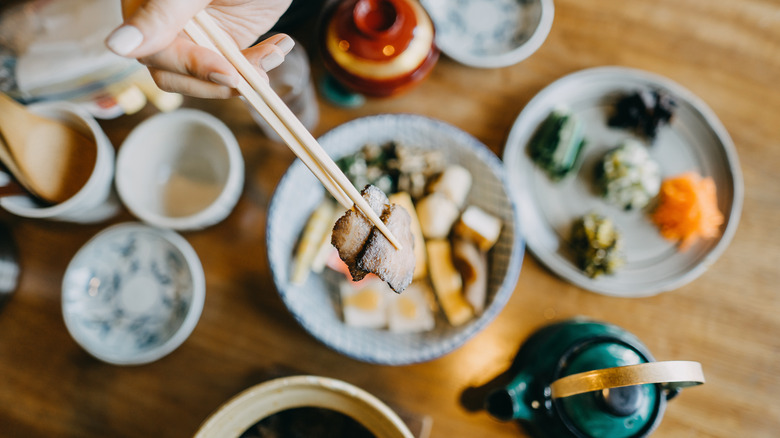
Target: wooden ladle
[11, 185]
[49, 158]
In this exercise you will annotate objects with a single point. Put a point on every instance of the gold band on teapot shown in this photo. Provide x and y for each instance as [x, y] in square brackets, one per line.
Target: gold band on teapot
[675, 374]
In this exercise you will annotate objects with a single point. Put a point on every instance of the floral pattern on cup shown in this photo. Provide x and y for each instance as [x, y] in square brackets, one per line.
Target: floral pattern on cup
[133, 293]
[490, 33]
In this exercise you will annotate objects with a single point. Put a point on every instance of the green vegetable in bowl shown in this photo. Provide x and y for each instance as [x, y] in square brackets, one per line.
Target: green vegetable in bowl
[557, 145]
[392, 167]
[596, 244]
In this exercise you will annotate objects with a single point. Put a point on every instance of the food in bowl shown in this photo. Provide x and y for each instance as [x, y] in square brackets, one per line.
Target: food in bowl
[393, 167]
[315, 303]
[445, 248]
[307, 422]
[321, 398]
[366, 250]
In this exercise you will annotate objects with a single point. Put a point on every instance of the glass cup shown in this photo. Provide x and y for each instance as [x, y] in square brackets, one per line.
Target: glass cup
[292, 82]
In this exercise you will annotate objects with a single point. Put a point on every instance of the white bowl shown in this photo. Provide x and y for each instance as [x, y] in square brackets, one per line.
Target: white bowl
[246, 409]
[96, 201]
[312, 303]
[490, 33]
[181, 170]
[133, 293]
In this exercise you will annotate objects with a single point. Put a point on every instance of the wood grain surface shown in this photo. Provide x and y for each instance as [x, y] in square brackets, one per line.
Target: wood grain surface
[726, 52]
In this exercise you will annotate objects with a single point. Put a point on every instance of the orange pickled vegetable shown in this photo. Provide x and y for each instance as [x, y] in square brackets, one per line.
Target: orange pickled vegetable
[688, 209]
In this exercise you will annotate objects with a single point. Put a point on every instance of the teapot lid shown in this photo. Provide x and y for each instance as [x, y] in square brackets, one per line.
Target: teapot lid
[630, 411]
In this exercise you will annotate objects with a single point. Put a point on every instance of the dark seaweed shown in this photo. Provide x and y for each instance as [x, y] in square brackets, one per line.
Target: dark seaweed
[644, 112]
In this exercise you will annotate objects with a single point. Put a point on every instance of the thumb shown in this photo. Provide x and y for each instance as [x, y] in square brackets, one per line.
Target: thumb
[151, 25]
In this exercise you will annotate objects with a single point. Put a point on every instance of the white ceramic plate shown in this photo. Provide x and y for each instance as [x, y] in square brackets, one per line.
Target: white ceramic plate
[695, 140]
[313, 303]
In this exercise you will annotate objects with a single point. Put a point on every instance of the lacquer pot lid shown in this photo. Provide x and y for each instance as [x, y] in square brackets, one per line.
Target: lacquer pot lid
[378, 47]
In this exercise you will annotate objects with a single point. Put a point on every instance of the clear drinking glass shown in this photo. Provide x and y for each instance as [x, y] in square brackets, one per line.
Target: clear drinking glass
[292, 82]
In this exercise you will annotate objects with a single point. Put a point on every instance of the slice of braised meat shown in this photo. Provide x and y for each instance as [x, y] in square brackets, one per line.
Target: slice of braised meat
[352, 230]
[379, 256]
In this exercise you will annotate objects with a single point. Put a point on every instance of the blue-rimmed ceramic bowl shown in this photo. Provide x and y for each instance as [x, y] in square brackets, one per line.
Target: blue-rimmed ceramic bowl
[133, 293]
[313, 303]
[490, 33]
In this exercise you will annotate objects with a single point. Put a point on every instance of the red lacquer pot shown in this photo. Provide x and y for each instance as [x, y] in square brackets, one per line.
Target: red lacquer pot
[378, 47]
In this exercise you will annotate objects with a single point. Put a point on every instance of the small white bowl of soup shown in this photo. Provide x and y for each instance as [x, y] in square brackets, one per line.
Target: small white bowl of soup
[302, 406]
[181, 170]
[95, 201]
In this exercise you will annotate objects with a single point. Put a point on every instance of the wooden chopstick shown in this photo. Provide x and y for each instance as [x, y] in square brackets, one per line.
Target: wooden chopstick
[243, 87]
[258, 92]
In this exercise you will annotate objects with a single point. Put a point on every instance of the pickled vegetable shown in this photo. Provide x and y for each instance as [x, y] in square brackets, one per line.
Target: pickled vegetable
[596, 244]
[557, 145]
[628, 177]
[688, 209]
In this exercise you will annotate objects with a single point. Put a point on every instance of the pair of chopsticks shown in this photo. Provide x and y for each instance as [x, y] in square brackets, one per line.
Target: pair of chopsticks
[258, 92]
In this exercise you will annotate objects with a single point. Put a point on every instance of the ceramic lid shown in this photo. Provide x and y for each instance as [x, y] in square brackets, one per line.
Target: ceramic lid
[618, 412]
[379, 39]
[378, 47]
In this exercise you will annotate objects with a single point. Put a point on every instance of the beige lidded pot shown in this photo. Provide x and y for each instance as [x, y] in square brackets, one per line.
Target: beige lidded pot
[260, 401]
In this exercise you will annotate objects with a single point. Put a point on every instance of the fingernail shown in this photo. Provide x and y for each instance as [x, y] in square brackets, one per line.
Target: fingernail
[223, 79]
[271, 61]
[124, 40]
[286, 44]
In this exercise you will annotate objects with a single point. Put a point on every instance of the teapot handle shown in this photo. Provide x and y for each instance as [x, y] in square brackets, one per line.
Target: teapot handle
[674, 374]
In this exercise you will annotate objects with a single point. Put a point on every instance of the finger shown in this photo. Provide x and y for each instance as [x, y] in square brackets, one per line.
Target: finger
[184, 57]
[269, 53]
[152, 26]
[179, 83]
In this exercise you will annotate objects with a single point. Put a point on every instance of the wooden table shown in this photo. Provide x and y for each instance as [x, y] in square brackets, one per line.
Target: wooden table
[726, 52]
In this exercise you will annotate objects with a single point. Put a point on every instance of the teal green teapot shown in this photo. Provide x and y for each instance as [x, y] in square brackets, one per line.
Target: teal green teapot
[588, 379]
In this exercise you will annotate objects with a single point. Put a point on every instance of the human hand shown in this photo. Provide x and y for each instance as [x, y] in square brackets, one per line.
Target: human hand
[152, 33]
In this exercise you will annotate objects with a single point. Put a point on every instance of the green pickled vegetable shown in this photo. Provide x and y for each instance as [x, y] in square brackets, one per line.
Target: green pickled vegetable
[558, 144]
[596, 244]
